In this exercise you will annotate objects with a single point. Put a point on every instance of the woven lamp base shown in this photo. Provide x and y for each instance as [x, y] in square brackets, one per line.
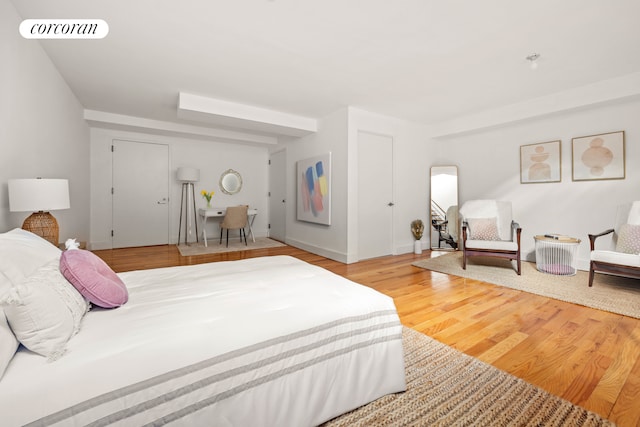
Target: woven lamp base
[44, 225]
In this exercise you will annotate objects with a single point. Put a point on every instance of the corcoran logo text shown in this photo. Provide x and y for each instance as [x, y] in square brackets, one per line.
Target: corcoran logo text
[64, 29]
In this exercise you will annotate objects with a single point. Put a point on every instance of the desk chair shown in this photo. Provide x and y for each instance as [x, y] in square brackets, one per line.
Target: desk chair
[235, 219]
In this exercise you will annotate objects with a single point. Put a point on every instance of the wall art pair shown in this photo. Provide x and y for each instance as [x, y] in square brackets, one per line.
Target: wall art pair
[593, 157]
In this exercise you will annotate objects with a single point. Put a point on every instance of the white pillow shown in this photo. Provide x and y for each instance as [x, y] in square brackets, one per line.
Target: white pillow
[44, 311]
[22, 252]
[8, 343]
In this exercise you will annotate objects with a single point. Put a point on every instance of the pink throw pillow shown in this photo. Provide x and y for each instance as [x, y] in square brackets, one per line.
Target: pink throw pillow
[93, 278]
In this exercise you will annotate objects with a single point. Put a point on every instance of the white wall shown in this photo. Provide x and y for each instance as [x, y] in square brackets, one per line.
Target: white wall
[325, 240]
[489, 167]
[488, 162]
[42, 132]
[338, 133]
[211, 157]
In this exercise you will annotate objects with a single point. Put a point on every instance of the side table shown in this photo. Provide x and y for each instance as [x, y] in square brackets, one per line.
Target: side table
[556, 254]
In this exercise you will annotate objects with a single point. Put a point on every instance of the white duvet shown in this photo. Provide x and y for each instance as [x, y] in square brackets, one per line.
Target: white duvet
[270, 341]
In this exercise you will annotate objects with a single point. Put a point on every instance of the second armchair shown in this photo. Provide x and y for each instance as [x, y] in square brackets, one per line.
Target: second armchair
[488, 229]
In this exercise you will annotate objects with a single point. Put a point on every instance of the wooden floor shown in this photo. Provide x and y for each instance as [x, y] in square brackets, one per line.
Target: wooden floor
[586, 356]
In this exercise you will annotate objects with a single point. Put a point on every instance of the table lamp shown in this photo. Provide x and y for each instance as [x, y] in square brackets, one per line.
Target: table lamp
[39, 196]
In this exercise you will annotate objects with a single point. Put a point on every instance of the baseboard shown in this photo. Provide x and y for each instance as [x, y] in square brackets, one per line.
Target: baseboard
[98, 246]
[341, 257]
[405, 249]
[582, 264]
[328, 253]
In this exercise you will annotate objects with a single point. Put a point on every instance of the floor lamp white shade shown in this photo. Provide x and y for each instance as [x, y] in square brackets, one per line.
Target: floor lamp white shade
[188, 176]
[185, 174]
[39, 196]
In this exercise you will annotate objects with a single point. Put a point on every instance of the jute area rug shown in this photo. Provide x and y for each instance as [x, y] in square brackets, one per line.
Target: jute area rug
[448, 388]
[610, 293]
[214, 247]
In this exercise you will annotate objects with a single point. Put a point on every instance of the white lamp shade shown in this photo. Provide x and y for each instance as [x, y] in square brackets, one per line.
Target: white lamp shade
[188, 174]
[32, 195]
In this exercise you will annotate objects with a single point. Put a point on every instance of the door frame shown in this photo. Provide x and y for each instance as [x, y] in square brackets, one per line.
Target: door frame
[272, 198]
[169, 202]
[391, 247]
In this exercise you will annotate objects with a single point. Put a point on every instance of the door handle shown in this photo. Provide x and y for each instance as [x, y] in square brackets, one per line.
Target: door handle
[164, 201]
[390, 204]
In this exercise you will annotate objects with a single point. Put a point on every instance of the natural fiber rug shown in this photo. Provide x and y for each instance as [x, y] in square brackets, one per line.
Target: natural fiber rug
[214, 247]
[448, 388]
[609, 293]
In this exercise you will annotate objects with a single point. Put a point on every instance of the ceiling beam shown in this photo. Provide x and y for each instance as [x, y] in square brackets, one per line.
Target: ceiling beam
[602, 92]
[139, 124]
[231, 114]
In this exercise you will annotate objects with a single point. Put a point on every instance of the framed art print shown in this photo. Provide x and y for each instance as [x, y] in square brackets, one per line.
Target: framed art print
[540, 162]
[598, 157]
[314, 189]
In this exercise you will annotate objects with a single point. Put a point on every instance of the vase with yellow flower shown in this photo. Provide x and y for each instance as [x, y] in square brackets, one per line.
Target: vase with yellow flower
[207, 195]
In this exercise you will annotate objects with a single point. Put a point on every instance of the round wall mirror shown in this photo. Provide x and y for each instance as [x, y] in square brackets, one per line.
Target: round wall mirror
[230, 182]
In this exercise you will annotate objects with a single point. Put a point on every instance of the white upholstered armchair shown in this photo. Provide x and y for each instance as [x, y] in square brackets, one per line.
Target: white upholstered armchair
[488, 229]
[622, 257]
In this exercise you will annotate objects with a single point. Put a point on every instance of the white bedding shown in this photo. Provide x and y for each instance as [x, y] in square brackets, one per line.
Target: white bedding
[270, 341]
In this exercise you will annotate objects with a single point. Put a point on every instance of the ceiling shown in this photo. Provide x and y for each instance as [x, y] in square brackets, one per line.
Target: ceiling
[425, 61]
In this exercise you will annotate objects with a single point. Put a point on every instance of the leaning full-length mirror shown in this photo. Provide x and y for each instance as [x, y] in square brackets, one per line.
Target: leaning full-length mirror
[444, 208]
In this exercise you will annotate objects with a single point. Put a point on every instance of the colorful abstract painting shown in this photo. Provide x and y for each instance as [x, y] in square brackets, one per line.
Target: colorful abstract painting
[314, 189]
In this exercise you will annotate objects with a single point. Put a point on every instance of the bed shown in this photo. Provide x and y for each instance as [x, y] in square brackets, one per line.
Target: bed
[267, 341]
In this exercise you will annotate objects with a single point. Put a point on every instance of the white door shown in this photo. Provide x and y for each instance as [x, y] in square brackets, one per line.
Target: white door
[375, 195]
[277, 195]
[140, 194]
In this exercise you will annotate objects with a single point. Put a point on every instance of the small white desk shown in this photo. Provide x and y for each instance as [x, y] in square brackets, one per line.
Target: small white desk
[219, 213]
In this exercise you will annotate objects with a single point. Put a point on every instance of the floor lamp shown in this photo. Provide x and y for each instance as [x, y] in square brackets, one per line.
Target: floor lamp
[188, 201]
[39, 196]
